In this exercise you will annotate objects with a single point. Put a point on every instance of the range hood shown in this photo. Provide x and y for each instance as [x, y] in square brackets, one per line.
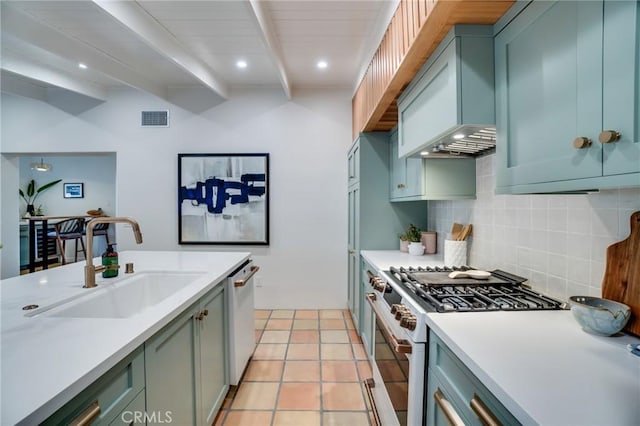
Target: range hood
[463, 141]
[448, 109]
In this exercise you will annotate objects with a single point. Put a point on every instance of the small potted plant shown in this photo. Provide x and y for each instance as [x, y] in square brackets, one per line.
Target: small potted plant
[415, 240]
[29, 196]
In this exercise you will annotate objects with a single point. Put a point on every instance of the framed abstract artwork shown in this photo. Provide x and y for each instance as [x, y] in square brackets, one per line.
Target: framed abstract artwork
[223, 199]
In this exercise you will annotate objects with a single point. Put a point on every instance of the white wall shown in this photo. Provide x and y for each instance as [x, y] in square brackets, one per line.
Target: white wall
[558, 242]
[307, 138]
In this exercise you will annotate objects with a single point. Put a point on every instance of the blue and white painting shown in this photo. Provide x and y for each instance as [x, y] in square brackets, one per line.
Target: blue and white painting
[223, 198]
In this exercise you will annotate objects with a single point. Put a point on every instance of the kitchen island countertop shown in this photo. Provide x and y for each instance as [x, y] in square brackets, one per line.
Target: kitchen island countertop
[47, 360]
[540, 364]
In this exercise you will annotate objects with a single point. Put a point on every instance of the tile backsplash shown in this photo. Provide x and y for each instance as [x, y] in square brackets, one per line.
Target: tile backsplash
[558, 242]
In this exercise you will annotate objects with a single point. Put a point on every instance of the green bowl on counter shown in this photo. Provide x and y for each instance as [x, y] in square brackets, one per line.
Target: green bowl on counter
[602, 317]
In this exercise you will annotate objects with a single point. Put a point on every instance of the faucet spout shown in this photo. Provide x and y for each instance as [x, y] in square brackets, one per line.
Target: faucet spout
[90, 269]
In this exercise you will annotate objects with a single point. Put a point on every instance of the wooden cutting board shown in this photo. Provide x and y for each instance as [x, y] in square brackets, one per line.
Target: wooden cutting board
[621, 280]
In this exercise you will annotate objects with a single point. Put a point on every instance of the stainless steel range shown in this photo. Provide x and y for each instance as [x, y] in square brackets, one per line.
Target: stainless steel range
[435, 290]
[401, 299]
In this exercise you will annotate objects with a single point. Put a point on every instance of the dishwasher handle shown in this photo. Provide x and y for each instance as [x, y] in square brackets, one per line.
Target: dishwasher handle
[247, 278]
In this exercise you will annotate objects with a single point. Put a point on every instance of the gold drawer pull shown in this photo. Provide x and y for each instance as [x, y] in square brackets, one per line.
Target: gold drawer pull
[241, 283]
[88, 415]
[482, 411]
[449, 412]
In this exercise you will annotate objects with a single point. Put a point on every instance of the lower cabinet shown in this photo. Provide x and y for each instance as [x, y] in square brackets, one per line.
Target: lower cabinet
[186, 366]
[454, 394]
[179, 376]
[108, 399]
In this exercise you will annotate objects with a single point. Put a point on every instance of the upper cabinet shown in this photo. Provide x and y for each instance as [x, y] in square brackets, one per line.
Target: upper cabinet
[567, 91]
[454, 89]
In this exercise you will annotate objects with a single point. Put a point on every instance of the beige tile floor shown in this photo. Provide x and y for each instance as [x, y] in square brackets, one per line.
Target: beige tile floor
[307, 370]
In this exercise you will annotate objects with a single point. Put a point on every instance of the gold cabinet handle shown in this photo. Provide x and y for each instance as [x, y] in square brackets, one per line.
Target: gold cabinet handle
[352, 251]
[205, 312]
[200, 316]
[609, 136]
[482, 411]
[88, 415]
[368, 384]
[400, 185]
[241, 283]
[581, 142]
[450, 413]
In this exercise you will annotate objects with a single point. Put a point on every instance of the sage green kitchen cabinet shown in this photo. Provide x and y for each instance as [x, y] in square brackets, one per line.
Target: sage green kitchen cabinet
[567, 72]
[110, 395]
[374, 223]
[134, 414]
[454, 88]
[453, 388]
[186, 366]
[415, 179]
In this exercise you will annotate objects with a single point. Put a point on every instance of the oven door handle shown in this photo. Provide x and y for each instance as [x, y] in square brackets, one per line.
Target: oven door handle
[401, 346]
[368, 384]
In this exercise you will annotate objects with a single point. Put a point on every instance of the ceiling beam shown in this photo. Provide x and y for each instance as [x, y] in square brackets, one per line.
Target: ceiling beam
[138, 20]
[52, 77]
[269, 37]
[21, 26]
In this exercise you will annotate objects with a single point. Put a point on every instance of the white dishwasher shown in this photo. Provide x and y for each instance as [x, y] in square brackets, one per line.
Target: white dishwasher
[242, 337]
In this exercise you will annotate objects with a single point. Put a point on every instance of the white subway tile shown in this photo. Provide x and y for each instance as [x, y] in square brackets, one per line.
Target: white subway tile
[559, 242]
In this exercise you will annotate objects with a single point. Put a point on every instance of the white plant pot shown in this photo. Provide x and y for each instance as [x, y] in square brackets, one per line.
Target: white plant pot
[416, 249]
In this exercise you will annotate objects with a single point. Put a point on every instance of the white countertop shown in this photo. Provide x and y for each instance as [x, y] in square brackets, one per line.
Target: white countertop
[383, 259]
[539, 364]
[46, 361]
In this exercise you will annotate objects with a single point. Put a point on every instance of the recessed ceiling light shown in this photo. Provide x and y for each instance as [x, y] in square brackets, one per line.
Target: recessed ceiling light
[459, 136]
[82, 66]
[322, 64]
[241, 64]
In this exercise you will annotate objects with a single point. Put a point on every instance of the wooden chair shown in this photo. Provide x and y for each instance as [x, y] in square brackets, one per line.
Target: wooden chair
[70, 229]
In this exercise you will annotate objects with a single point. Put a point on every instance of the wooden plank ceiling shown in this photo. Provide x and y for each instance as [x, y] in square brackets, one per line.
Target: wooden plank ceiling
[413, 34]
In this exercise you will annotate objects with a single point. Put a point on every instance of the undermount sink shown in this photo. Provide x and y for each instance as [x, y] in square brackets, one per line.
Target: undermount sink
[127, 297]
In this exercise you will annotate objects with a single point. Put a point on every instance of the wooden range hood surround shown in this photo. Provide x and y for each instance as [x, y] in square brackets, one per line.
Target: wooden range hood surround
[416, 29]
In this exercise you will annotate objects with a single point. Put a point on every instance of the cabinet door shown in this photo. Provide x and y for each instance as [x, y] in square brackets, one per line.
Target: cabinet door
[621, 86]
[171, 370]
[353, 160]
[135, 415]
[353, 255]
[548, 92]
[406, 173]
[432, 105]
[213, 377]
[442, 409]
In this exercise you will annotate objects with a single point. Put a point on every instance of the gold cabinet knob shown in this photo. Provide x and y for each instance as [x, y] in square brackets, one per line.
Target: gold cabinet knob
[608, 136]
[581, 142]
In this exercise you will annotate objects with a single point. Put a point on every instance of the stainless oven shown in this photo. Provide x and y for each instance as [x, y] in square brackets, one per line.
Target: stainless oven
[398, 362]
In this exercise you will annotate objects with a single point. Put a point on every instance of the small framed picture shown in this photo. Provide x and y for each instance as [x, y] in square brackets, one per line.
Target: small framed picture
[73, 190]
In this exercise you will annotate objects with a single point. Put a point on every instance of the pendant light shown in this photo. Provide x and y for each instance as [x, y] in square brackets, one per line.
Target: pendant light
[41, 166]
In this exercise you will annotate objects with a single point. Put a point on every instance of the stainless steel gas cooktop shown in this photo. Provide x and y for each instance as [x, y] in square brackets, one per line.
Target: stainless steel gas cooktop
[500, 291]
